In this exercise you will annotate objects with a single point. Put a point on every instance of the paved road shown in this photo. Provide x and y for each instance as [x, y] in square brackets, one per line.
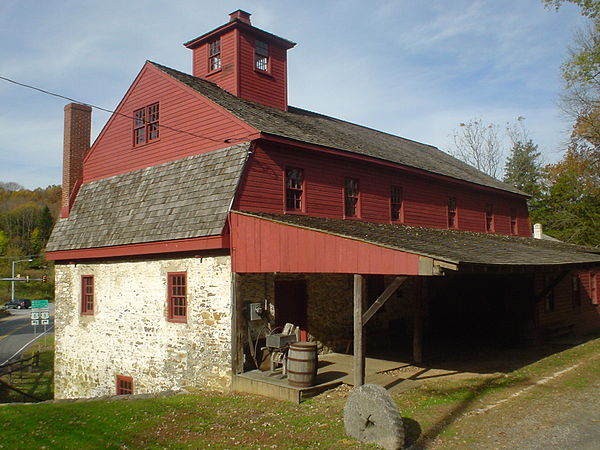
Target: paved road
[16, 332]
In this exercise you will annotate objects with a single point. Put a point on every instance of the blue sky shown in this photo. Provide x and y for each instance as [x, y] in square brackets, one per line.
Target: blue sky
[416, 69]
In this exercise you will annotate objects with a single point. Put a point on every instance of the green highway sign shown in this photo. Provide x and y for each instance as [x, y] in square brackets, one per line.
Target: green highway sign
[39, 304]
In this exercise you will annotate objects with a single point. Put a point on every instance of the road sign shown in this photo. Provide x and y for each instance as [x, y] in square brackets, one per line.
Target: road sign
[39, 304]
[44, 315]
[35, 322]
[35, 315]
[45, 321]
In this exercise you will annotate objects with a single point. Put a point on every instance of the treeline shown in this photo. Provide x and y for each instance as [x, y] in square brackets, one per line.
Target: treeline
[26, 218]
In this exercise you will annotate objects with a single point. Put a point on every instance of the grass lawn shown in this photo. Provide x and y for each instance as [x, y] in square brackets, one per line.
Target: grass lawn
[438, 410]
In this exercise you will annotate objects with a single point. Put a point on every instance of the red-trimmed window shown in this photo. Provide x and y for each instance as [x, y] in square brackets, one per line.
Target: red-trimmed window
[124, 385]
[177, 298]
[87, 294]
[351, 197]
[594, 288]
[396, 204]
[214, 55]
[513, 221]
[261, 55]
[489, 217]
[451, 212]
[145, 124]
[294, 187]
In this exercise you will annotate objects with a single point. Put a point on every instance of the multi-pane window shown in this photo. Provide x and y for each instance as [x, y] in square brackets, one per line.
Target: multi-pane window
[261, 55]
[124, 385]
[351, 197]
[145, 124]
[396, 203]
[294, 181]
[451, 212]
[576, 291]
[489, 218]
[177, 297]
[87, 294]
[513, 221]
[214, 55]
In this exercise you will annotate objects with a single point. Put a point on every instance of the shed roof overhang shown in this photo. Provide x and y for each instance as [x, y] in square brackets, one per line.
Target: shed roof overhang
[293, 243]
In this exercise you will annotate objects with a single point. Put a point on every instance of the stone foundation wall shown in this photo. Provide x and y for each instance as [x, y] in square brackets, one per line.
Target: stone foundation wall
[129, 333]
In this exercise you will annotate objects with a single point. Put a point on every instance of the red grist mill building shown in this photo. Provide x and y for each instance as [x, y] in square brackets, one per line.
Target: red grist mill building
[208, 213]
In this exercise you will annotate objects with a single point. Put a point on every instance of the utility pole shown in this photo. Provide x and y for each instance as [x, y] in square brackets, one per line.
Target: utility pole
[12, 283]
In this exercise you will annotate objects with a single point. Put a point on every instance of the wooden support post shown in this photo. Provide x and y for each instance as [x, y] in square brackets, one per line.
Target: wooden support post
[359, 338]
[418, 324]
[237, 348]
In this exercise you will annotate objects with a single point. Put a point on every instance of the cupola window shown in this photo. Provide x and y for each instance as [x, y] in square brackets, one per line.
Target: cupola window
[261, 55]
[214, 55]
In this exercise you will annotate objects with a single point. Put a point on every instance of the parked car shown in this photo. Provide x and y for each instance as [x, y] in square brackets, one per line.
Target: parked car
[18, 303]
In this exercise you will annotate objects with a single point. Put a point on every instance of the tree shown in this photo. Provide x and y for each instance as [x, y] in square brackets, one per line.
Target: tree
[523, 169]
[479, 145]
[46, 222]
[570, 204]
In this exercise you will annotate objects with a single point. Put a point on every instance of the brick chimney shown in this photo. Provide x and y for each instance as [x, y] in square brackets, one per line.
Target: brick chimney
[78, 127]
[243, 60]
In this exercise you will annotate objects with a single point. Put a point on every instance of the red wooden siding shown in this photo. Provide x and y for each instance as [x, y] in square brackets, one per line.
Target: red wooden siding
[425, 200]
[264, 246]
[181, 108]
[583, 315]
[227, 77]
[266, 88]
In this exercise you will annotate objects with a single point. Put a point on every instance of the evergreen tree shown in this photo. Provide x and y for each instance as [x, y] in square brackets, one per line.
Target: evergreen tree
[523, 170]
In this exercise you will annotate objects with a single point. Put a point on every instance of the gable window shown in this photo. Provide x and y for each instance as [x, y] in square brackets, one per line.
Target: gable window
[451, 212]
[87, 294]
[351, 197]
[214, 55]
[145, 124]
[513, 221]
[261, 55]
[396, 203]
[294, 183]
[177, 297]
[489, 218]
[124, 385]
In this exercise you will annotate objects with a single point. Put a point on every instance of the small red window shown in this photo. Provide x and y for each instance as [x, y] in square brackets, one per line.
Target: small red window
[451, 212]
[177, 298]
[351, 197]
[87, 294]
[124, 385]
[396, 204]
[145, 124]
[214, 55]
[294, 184]
[594, 288]
[489, 218]
[513, 221]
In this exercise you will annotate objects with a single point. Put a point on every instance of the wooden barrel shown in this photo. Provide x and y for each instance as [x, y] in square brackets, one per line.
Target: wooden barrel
[302, 364]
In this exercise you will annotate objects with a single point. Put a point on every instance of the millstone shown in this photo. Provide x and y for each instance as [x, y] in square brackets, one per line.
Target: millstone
[371, 416]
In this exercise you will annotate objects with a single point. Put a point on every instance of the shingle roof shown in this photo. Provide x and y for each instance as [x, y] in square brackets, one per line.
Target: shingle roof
[181, 199]
[313, 128]
[456, 247]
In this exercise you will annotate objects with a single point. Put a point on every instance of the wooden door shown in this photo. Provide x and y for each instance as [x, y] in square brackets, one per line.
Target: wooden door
[290, 305]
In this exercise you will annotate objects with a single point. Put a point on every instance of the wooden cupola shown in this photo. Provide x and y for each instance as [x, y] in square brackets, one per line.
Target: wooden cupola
[243, 60]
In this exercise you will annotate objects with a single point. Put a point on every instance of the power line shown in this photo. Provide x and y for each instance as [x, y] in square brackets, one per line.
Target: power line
[64, 97]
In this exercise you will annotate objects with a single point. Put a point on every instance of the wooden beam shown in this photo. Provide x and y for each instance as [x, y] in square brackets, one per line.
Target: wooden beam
[553, 283]
[237, 349]
[359, 338]
[418, 324]
[385, 295]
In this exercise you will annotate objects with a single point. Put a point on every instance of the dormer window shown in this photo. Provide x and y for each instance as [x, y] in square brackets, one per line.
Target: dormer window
[214, 55]
[261, 55]
[145, 124]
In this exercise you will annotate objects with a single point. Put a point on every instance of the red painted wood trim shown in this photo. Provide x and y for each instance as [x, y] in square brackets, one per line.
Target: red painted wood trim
[173, 246]
[260, 245]
[349, 154]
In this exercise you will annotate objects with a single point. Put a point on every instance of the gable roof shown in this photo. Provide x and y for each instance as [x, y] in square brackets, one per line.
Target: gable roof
[452, 246]
[313, 128]
[180, 199]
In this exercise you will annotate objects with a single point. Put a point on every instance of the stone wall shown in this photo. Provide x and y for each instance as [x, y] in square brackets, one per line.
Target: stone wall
[129, 333]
